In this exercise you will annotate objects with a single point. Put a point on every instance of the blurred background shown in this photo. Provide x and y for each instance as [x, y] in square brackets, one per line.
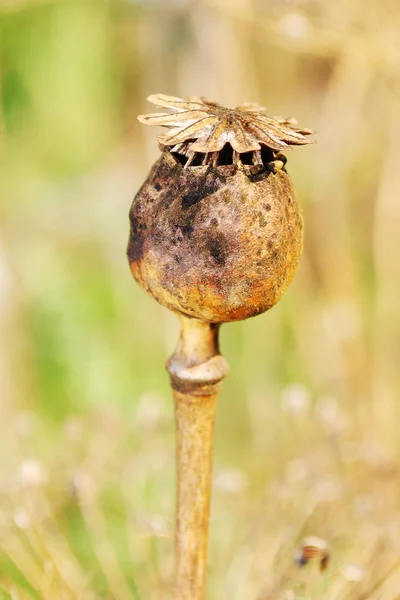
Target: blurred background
[307, 440]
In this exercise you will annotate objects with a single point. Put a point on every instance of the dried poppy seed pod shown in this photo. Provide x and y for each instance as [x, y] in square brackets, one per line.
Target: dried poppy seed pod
[216, 232]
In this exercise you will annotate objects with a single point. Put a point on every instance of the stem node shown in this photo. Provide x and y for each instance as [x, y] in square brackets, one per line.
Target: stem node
[196, 369]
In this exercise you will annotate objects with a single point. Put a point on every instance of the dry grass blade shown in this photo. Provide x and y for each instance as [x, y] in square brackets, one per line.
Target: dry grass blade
[16, 594]
[104, 549]
[380, 582]
[26, 563]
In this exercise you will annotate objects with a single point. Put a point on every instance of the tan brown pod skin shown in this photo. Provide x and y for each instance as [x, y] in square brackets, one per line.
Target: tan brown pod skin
[216, 243]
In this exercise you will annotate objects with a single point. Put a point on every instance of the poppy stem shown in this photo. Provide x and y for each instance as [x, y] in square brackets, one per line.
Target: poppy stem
[196, 369]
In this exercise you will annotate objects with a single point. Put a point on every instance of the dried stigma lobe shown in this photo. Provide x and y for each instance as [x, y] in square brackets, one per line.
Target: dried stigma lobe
[206, 126]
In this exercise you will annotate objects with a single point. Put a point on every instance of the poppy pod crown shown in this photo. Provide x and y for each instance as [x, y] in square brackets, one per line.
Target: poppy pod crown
[216, 232]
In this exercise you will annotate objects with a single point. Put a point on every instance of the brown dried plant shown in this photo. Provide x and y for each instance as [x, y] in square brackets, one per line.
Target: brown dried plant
[217, 244]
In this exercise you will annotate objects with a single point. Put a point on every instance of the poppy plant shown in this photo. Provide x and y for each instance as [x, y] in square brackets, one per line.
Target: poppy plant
[216, 236]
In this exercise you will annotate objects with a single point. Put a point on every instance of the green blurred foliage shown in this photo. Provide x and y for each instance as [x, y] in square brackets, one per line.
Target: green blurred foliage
[307, 437]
